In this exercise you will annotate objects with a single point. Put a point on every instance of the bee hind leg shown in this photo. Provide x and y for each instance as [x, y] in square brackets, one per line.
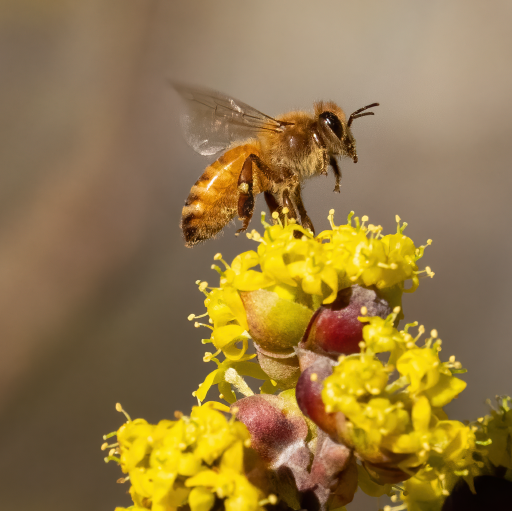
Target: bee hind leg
[245, 194]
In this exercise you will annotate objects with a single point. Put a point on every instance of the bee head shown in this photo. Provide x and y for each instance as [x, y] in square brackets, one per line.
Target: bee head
[335, 129]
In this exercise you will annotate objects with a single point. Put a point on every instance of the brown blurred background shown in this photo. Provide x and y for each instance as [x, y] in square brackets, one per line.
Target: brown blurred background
[95, 283]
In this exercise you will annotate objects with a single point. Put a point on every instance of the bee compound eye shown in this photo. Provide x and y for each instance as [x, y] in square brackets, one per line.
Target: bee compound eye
[331, 120]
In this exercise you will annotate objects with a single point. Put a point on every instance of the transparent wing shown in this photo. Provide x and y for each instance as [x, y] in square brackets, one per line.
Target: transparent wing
[213, 120]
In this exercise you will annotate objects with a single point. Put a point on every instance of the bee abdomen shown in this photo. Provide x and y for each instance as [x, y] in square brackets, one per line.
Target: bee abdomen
[213, 199]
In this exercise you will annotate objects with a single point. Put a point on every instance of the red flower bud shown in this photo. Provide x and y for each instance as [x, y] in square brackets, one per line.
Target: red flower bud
[335, 328]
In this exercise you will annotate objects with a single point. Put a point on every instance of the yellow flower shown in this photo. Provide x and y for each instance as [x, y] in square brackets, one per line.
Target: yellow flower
[399, 422]
[269, 295]
[193, 460]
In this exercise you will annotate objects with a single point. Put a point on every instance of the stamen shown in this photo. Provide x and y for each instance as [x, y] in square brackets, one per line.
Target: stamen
[331, 218]
[190, 317]
[271, 499]
[197, 325]
[119, 408]
[106, 446]
[313, 377]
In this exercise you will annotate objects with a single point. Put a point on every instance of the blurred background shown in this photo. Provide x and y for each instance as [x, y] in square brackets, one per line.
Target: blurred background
[95, 281]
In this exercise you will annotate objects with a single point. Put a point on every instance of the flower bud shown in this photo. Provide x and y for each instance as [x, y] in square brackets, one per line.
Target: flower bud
[335, 328]
[309, 394]
[275, 324]
[271, 429]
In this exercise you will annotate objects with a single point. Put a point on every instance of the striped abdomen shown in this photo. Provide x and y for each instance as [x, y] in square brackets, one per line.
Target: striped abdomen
[213, 200]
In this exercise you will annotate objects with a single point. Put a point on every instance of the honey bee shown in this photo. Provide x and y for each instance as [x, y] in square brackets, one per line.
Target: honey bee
[264, 155]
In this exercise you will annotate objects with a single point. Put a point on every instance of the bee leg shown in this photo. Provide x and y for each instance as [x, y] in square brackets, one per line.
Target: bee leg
[304, 218]
[337, 173]
[272, 175]
[325, 163]
[287, 203]
[271, 202]
[245, 194]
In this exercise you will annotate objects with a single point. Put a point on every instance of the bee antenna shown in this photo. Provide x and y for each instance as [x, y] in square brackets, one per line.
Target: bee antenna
[357, 113]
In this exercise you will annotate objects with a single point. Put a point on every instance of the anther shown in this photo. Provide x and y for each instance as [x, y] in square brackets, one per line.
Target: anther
[275, 215]
[285, 211]
[396, 310]
[217, 257]
[313, 377]
[364, 310]
[203, 285]
[178, 415]
[433, 333]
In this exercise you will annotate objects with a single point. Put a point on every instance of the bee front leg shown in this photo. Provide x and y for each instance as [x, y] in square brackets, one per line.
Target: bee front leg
[325, 162]
[337, 173]
[245, 194]
[304, 218]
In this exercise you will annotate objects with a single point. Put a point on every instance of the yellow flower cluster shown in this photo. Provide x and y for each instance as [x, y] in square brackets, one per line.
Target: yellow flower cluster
[191, 461]
[402, 417]
[302, 273]
[492, 436]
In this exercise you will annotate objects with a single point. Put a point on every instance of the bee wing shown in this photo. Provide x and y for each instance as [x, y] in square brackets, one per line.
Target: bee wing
[213, 120]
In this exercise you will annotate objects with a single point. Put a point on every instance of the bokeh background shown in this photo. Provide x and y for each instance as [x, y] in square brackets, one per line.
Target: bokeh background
[95, 282]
